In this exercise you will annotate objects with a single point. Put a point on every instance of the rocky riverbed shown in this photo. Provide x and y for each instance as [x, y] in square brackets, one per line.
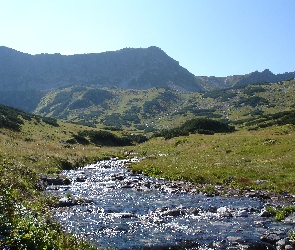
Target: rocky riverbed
[118, 209]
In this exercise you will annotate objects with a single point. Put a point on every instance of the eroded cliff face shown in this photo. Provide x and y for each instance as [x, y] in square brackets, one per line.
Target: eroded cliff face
[127, 68]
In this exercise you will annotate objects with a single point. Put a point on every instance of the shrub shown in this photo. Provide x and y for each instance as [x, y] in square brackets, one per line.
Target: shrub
[50, 121]
[105, 138]
[78, 139]
[196, 125]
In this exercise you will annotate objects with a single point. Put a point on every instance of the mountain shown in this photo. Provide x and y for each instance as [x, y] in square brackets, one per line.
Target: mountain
[98, 87]
[213, 83]
[128, 68]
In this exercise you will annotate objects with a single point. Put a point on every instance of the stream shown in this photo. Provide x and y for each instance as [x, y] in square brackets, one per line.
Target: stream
[116, 209]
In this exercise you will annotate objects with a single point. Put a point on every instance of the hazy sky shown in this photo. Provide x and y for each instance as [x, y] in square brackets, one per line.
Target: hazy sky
[208, 37]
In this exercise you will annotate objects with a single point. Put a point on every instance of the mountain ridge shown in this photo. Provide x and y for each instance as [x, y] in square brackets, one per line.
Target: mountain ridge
[56, 85]
[141, 68]
[214, 83]
[128, 68]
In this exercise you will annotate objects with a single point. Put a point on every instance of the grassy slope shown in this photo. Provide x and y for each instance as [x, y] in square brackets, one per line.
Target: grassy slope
[266, 154]
[246, 156]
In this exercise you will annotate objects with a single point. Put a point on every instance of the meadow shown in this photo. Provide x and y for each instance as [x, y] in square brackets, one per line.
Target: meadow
[261, 159]
[256, 159]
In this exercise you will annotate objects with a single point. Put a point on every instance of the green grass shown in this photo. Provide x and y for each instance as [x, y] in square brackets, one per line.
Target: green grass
[246, 157]
[27, 224]
[280, 213]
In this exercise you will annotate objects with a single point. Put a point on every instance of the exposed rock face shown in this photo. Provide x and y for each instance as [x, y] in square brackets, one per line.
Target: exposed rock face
[126, 68]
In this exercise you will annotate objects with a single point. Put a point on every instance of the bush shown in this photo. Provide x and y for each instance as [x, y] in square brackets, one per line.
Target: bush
[50, 121]
[104, 138]
[197, 125]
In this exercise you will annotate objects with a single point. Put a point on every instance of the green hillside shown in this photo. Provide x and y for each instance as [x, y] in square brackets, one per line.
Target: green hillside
[154, 109]
[108, 107]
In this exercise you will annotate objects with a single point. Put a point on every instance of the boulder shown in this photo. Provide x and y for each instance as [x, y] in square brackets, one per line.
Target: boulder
[81, 179]
[224, 212]
[125, 215]
[271, 238]
[66, 202]
[174, 212]
[264, 213]
[55, 181]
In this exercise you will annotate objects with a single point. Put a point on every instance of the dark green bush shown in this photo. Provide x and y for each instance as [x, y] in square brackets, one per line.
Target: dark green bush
[196, 125]
[51, 121]
[105, 138]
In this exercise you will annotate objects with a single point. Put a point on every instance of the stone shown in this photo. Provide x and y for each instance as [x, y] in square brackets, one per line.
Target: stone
[270, 238]
[234, 239]
[242, 213]
[224, 212]
[66, 202]
[264, 213]
[125, 215]
[245, 247]
[261, 246]
[194, 211]
[212, 209]
[281, 244]
[174, 212]
[56, 181]
[118, 177]
[81, 179]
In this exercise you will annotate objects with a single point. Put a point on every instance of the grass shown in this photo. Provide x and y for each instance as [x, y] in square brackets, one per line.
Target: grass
[280, 213]
[245, 157]
[241, 159]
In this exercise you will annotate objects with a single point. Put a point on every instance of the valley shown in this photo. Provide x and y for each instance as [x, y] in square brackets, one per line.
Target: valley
[227, 137]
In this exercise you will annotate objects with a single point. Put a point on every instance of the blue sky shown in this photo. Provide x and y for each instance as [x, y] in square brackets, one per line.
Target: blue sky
[208, 37]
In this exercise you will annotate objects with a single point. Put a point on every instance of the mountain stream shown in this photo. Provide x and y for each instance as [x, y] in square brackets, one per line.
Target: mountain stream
[116, 209]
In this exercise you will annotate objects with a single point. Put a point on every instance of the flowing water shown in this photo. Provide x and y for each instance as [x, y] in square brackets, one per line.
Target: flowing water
[121, 210]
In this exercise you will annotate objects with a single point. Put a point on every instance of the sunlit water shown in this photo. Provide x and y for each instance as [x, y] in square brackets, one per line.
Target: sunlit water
[121, 215]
